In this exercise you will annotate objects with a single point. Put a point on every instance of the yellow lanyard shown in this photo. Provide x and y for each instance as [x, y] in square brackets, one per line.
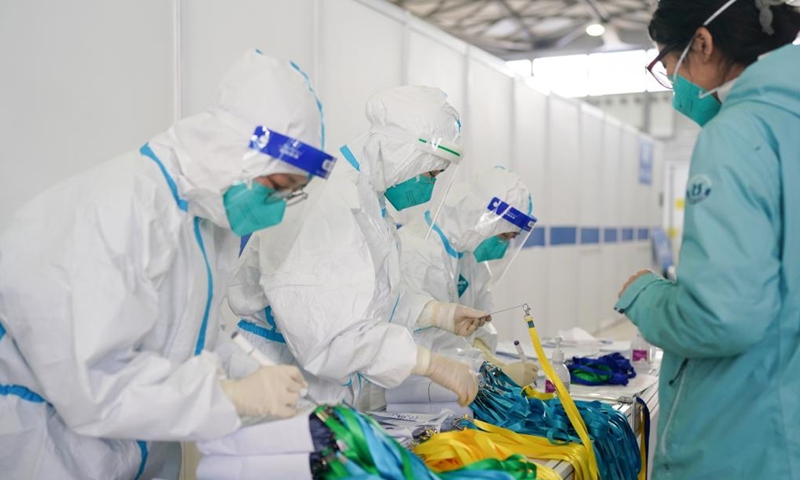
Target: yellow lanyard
[566, 401]
[453, 450]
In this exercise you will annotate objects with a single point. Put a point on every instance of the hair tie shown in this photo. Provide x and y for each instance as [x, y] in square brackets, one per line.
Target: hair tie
[765, 14]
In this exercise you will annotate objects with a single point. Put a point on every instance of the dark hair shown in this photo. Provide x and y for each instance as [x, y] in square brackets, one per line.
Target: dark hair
[737, 31]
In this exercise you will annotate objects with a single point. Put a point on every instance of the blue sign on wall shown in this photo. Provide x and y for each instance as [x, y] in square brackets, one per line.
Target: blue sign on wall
[646, 162]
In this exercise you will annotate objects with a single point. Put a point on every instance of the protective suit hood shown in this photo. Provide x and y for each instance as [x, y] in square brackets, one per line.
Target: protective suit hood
[771, 80]
[467, 202]
[391, 151]
[212, 148]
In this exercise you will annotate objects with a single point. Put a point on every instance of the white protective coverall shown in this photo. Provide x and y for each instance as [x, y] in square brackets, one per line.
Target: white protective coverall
[444, 267]
[334, 306]
[110, 286]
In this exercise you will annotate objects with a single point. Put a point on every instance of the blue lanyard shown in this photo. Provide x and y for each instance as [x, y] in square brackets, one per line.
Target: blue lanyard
[501, 402]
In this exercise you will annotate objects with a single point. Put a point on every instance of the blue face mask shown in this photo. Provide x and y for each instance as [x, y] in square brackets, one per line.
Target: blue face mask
[694, 102]
[491, 249]
[414, 191]
[252, 209]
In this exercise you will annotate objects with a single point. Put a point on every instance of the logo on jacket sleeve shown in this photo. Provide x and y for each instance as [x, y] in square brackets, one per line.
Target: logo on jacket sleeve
[463, 284]
[698, 189]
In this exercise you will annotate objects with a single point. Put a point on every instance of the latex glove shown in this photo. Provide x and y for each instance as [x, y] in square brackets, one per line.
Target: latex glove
[451, 374]
[268, 392]
[523, 373]
[452, 317]
[632, 279]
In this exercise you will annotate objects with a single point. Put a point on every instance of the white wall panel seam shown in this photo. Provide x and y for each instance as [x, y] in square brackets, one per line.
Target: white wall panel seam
[385, 8]
[316, 44]
[177, 61]
[466, 128]
[406, 49]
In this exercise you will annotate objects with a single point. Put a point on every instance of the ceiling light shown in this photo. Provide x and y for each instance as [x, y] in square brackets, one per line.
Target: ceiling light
[595, 30]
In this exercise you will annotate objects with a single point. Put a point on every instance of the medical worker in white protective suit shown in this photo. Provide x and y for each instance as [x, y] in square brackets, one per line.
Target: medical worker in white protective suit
[452, 263]
[110, 284]
[331, 303]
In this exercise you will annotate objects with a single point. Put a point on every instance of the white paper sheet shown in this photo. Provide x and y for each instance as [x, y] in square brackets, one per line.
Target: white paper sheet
[508, 350]
[419, 389]
[270, 438]
[432, 408]
[621, 346]
[219, 467]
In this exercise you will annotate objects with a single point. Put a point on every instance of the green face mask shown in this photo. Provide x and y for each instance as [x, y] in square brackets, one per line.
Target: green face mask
[414, 191]
[491, 249]
[694, 102]
[252, 209]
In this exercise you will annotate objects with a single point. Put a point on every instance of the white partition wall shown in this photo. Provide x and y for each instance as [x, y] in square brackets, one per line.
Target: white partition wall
[215, 33]
[590, 281]
[83, 82]
[361, 52]
[562, 215]
[487, 128]
[527, 280]
[439, 62]
[610, 179]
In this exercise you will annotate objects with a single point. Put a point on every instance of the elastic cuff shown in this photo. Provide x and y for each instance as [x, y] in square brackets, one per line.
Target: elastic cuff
[425, 318]
[423, 361]
[634, 289]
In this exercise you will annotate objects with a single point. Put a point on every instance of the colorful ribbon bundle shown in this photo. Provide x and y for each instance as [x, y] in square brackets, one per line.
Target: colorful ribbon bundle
[612, 369]
[501, 402]
[454, 450]
[603, 431]
[363, 451]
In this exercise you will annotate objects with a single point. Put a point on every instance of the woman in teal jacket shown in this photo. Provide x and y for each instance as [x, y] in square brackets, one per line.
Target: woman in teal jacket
[730, 324]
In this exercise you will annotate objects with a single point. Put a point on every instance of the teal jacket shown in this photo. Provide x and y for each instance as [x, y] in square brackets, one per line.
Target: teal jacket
[730, 324]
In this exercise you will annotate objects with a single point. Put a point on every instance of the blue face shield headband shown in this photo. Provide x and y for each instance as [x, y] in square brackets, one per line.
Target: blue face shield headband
[292, 151]
[254, 208]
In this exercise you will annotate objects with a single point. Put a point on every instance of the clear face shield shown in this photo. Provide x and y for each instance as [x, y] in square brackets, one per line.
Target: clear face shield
[274, 203]
[505, 231]
[426, 191]
[453, 154]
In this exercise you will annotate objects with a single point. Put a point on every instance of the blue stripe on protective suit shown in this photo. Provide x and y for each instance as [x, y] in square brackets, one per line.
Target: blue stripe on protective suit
[183, 205]
[201, 339]
[319, 104]
[449, 248]
[148, 152]
[145, 454]
[351, 159]
[394, 309]
[21, 392]
[243, 243]
[18, 390]
[270, 334]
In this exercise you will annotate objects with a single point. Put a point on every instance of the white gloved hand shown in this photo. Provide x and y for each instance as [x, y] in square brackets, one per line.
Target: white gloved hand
[268, 392]
[451, 374]
[452, 317]
[523, 373]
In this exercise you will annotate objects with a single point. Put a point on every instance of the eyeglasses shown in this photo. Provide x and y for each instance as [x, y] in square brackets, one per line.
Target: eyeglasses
[657, 70]
[291, 198]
